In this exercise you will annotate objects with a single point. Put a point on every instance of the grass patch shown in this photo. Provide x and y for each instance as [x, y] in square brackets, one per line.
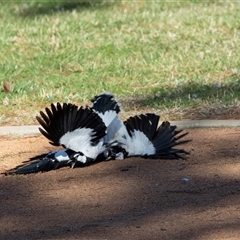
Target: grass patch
[151, 55]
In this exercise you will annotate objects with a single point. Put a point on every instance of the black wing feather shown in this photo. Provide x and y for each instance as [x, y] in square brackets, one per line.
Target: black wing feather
[64, 118]
[164, 137]
[146, 123]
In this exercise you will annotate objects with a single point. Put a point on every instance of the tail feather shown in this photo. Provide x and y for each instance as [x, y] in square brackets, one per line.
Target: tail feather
[105, 102]
[107, 108]
[40, 165]
[45, 162]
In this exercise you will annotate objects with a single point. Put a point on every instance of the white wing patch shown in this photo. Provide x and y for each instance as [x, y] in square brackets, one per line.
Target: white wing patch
[107, 117]
[77, 139]
[61, 155]
[140, 144]
[113, 129]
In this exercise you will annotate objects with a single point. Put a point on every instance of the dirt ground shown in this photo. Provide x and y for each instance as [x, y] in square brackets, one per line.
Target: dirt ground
[130, 199]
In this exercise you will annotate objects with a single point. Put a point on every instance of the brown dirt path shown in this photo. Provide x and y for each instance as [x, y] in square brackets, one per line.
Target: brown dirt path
[130, 199]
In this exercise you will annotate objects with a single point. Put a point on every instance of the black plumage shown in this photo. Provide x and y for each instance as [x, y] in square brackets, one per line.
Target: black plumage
[163, 138]
[44, 162]
[105, 102]
[145, 123]
[66, 118]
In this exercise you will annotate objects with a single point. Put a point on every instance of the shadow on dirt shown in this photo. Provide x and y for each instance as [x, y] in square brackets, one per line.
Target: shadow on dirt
[134, 198]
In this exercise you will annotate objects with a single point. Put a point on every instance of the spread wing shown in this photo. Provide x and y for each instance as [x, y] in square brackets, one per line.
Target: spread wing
[149, 140]
[69, 125]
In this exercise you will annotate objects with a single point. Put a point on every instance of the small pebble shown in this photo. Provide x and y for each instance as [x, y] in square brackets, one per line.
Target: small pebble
[185, 180]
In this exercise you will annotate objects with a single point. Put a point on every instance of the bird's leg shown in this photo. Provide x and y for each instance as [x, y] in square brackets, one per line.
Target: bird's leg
[72, 164]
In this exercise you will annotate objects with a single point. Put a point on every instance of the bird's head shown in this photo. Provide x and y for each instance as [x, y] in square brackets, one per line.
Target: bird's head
[118, 152]
[79, 157]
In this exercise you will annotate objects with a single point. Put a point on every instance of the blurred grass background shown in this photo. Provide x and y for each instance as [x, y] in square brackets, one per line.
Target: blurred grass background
[180, 59]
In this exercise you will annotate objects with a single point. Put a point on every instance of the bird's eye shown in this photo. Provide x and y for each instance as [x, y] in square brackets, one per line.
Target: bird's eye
[80, 154]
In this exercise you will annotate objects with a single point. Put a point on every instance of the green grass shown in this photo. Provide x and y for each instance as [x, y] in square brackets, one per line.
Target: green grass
[160, 56]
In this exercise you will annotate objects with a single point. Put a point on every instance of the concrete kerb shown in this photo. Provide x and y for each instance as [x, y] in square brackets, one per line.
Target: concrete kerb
[33, 129]
[19, 130]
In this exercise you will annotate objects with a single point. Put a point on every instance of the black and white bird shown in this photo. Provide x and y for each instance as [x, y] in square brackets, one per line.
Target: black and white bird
[84, 133]
[79, 130]
[141, 135]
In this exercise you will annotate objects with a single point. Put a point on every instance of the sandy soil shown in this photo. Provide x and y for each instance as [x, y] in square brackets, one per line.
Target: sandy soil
[129, 199]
